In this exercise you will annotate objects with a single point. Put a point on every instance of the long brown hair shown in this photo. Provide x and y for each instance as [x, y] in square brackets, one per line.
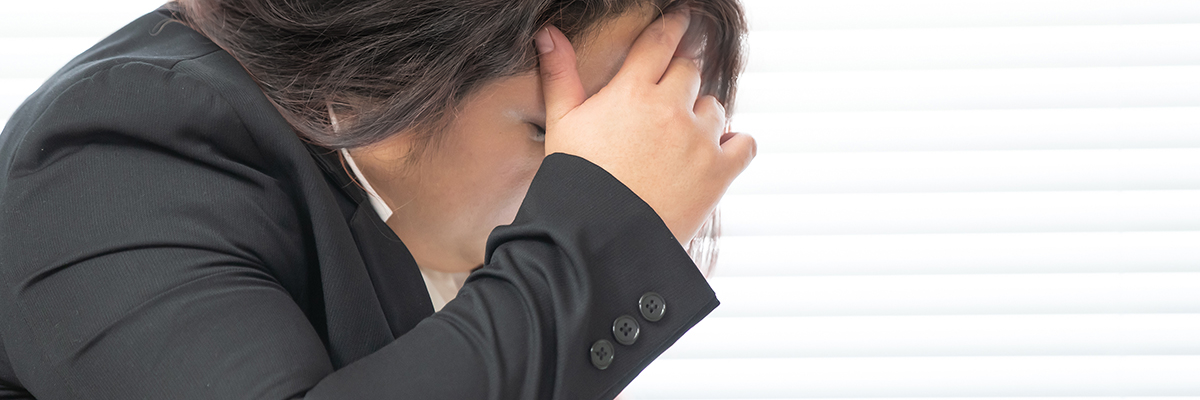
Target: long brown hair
[389, 66]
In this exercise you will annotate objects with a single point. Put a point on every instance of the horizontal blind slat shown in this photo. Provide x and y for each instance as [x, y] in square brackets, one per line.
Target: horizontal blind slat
[904, 377]
[1085, 293]
[946, 48]
[1164, 86]
[978, 212]
[996, 171]
[859, 14]
[941, 335]
[970, 253]
[963, 130]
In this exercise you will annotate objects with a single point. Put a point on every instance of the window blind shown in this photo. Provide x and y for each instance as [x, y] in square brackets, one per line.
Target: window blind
[952, 199]
[958, 199]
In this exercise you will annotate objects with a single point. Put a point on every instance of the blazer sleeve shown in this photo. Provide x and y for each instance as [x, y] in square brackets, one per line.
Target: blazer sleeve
[583, 252]
[142, 263]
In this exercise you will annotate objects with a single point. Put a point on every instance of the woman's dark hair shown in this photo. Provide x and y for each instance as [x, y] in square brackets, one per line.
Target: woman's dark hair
[382, 67]
[389, 66]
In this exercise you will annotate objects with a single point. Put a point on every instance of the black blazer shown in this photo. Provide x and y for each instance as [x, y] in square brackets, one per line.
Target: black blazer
[164, 234]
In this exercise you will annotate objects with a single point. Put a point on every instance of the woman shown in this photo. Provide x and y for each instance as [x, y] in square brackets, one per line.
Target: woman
[197, 209]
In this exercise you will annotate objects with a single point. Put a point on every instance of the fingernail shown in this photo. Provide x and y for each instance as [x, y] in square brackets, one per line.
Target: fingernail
[543, 41]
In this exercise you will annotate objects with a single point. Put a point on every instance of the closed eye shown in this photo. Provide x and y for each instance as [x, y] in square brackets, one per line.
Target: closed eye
[538, 134]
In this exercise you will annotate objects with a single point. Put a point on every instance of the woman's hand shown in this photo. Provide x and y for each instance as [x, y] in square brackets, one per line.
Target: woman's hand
[648, 127]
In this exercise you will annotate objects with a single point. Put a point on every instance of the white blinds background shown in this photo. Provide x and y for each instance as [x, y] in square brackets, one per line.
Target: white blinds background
[952, 199]
[959, 199]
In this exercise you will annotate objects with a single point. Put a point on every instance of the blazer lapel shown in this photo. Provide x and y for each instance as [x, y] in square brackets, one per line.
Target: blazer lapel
[394, 274]
[391, 269]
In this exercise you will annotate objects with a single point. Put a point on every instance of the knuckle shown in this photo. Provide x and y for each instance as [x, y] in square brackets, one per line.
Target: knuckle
[716, 105]
[679, 113]
[552, 74]
[686, 64]
[710, 107]
[627, 91]
[751, 151]
[668, 112]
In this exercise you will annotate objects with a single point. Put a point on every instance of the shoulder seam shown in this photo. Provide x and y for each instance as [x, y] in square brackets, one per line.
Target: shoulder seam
[77, 82]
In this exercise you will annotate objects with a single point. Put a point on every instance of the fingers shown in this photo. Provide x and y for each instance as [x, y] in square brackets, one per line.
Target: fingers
[654, 48]
[737, 150]
[683, 74]
[712, 114]
[561, 87]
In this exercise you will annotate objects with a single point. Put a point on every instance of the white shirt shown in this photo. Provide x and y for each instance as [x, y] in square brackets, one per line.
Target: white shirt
[442, 286]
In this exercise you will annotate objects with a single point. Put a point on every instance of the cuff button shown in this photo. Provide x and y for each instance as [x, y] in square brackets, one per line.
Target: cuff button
[626, 329]
[652, 306]
[602, 354]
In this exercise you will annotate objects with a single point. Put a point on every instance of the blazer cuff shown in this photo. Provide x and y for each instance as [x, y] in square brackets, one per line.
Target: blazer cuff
[626, 263]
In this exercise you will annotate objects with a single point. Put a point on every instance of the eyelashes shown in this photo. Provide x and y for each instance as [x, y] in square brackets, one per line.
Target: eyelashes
[538, 134]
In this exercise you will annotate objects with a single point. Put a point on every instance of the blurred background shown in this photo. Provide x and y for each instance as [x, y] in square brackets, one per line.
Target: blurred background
[952, 199]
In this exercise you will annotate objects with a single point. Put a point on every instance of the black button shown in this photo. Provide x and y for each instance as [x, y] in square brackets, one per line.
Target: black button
[652, 306]
[602, 354]
[626, 329]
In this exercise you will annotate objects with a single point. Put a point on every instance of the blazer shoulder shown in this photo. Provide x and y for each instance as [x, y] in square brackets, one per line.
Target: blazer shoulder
[137, 125]
[155, 83]
[153, 39]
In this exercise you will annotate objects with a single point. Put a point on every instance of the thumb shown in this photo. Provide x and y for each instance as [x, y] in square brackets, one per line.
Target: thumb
[738, 149]
[561, 87]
